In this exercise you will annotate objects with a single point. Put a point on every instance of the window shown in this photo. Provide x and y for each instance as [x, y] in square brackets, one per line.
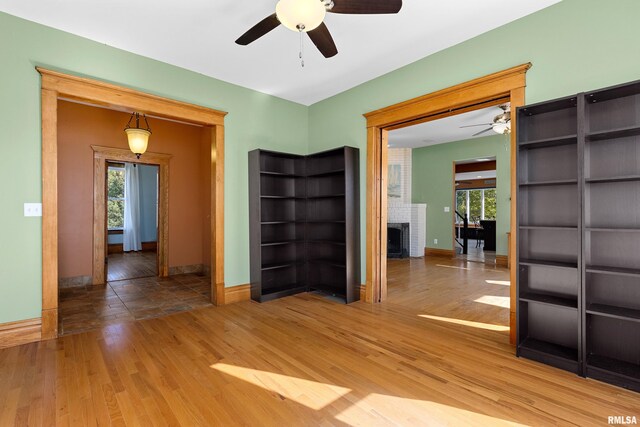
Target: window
[115, 198]
[476, 204]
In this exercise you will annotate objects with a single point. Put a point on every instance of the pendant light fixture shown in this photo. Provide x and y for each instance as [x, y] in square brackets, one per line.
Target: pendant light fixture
[138, 137]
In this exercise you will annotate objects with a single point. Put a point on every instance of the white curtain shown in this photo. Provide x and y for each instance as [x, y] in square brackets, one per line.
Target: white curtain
[131, 233]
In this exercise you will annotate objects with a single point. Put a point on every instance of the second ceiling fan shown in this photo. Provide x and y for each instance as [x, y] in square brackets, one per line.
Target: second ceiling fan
[308, 16]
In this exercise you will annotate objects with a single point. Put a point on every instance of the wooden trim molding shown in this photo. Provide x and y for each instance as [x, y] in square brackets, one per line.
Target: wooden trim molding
[103, 155]
[217, 216]
[440, 253]
[56, 85]
[476, 167]
[237, 294]
[502, 261]
[462, 96]
[504, 86]
[49, 113]
[124, 99]
[20, 332]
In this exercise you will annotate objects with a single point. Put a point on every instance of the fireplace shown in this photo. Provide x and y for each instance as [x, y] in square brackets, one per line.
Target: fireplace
[398, 240]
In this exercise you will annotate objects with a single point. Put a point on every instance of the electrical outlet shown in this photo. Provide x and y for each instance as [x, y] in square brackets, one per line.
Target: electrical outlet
[435, 241]
[33, 209]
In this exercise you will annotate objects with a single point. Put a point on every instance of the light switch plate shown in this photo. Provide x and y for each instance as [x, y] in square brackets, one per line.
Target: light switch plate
[446, 208]
[33, 209]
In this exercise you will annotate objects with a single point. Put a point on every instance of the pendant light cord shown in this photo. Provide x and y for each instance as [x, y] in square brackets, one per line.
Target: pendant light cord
[301, 55]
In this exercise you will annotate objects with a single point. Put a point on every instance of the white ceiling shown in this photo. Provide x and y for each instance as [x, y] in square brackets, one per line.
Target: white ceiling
[444, 130]
[199, 35]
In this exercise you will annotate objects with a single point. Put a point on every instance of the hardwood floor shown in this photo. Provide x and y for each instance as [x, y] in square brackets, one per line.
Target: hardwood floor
[448, 288]
[305, 360]
[132, 265]
[476, 253]
[94, 306]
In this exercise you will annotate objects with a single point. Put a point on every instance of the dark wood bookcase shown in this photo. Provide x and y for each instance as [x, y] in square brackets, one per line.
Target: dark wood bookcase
[549, 238]
[611, 233]
[304, 224]
[579, 234]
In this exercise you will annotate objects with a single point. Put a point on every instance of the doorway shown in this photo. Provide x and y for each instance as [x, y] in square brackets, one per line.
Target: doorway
[449, 208]
[56, 86]
[132, 220]
[475, 213]
[494, 89]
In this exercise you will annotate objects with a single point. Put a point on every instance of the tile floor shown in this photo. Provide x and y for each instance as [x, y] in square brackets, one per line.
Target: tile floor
[131, 265]
[89, 307]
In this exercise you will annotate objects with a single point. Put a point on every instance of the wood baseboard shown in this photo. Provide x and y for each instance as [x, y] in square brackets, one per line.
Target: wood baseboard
[186, 269]
[237, 294]
[502, 261]
[243, 293]
[20, 332]
[72, 282]
[441, 253]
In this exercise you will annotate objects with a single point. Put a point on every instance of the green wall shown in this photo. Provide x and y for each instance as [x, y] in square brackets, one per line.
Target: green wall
[254, 120]
[432, 183]
[574, 45]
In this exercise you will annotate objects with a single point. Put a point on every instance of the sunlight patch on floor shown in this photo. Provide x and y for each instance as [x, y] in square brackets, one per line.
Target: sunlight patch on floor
[499, 282]
[494, 300]
[312, 394]
[414, 412]
[479, 325]
[365, 411]
[452, 266]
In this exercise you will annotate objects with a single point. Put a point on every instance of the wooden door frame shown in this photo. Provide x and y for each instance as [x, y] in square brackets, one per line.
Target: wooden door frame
[54, 86]
[102, 155]
[504, 86]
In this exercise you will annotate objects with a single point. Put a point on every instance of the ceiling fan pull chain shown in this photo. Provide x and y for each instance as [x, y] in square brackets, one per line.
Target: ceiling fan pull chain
[300, 28]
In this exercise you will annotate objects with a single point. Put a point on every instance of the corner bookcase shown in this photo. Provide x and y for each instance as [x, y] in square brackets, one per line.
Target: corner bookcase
[304, 224]
[579, 223]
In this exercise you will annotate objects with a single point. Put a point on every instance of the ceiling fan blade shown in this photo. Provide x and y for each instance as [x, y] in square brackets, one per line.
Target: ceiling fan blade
[321, 37]
[482, 131]
[258, 30]
[481, 124]
[366, 6]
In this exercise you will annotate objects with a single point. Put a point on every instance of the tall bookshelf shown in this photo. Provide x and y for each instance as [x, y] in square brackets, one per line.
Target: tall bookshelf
[277, 193]
[612, 235]
[304, 224]
[579, 224]
[548, 224]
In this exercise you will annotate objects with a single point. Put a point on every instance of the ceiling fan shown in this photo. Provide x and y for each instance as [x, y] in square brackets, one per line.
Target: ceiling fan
[308, 15]
[501, 123]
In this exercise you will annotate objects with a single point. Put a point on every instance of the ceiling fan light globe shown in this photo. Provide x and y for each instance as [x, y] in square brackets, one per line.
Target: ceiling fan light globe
[501, 127]
[301, 15]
